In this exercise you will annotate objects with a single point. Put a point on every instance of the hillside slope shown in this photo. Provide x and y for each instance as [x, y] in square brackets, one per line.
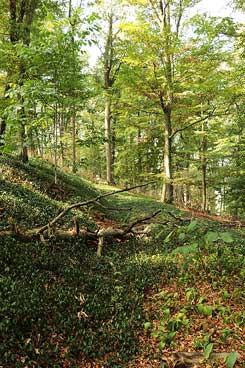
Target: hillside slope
[177, 287]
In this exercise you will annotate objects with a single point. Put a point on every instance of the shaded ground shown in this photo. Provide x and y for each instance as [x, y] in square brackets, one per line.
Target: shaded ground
[61, 306]
[224, 327]
[229, 221]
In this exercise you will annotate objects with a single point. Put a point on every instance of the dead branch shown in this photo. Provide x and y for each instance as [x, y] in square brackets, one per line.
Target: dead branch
[85, 203]
[82, 233]
[190, 359]
[175, 217]
[115, 208]
[111, 232]
[140, 221]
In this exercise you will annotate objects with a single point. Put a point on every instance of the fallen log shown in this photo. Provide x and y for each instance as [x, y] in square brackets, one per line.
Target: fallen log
[100, 236]
[193, 359]
[111, 232]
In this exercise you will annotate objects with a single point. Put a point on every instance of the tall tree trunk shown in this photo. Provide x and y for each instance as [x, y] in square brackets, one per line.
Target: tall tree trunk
[73, 118]
[204, 167]
[167, 189]
[166, 100]
[55, 143]
[23, 150]
[62, 128]
[2, 131]
[108, 83]
[139, 161]
[21, 18]
[108, 143]
[74, 168]
[22, 116]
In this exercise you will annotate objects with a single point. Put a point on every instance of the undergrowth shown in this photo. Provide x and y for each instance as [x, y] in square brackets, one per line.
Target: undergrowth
[62, 306]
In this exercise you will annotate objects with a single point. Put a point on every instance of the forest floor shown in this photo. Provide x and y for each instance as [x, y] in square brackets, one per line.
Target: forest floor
[179, 288]
[227, 221]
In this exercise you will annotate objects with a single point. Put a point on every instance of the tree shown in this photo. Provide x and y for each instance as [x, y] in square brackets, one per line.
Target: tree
[111, 66]
[167, 68]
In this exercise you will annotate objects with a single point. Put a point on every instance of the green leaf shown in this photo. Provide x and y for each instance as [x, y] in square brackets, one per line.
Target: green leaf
[208, 350]
[211, 237]
[226, 237]
[162, 344]
[182, 236]
[206, 310]
[231, 359]
[168, 237]
[192, 225]
[166, 312]
[147, 325]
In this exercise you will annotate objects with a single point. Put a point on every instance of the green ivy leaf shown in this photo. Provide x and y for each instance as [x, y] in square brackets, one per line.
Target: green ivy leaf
[208, 350]
[182, 236]
[147, 325]
[206, 310]
[192, 225]
[231, 359]
[211, 237]
[226, 237]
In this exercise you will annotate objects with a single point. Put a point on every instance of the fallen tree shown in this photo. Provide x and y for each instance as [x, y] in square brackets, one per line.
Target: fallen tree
[52, 231]
[51, 223]
[100, 236]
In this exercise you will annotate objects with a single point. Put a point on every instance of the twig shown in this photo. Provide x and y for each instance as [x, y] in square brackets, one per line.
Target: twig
[115, 208]
[175, 217]
[140, 221]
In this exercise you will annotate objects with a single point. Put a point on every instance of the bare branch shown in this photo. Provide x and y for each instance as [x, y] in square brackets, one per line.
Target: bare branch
[155, 12]
[140, 221]
[86, 203]
[179, 16]
[189, 125]
[210, 115]
[115, 208]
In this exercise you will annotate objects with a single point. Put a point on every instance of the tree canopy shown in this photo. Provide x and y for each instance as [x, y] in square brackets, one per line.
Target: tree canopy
[164, 100]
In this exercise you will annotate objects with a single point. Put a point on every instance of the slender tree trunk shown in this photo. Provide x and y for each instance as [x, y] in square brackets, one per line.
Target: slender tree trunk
[139, 163]
[22, 117]
[23, 150]
[73, 118]
[55, 143]
[167, 189]
[113, 149]
[108, 83]
[74, 168]
[2, 131]
[187, 192]
[204, 167]
[166, 100]
[62, 128]
[108, 143]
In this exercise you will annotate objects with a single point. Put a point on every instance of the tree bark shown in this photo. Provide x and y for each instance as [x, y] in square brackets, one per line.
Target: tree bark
[2, 131]
[21, 18]
[23, 150]
[108, 83]
[73, 139]
[167, 190]
[204, 167]
[108, 143]
[166, 100]
[73, 118]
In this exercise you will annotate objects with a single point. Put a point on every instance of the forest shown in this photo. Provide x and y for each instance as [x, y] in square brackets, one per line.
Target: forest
[122, 186]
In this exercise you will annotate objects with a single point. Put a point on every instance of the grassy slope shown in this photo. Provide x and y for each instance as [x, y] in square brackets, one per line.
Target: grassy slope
[61, 306]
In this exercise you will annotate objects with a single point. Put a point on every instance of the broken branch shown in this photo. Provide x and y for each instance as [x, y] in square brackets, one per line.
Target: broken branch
[85, 203]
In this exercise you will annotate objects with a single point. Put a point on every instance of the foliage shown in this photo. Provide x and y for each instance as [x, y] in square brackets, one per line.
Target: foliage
[49, 290]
